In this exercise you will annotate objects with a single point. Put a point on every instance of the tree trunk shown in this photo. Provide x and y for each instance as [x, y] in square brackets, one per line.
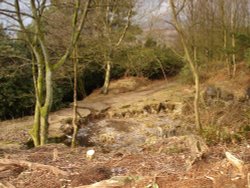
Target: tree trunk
[44, 126]
[195, 57]
[162, 68]
[107, 77]
[74, 119]
[196, 102]
[191, 63]
[226, 55]
[35, 131]
[194, 70]
[233, 56]
[38, 85]
[45, 109]
[35, 37]
[233, 24]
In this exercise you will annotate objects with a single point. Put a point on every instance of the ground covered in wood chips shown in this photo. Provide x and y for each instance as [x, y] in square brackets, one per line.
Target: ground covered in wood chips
[143, 168]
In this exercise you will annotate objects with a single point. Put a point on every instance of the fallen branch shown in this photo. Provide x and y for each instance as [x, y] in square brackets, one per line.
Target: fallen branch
[116, 181]
[237, 163]
[31, 165]
[6, 185]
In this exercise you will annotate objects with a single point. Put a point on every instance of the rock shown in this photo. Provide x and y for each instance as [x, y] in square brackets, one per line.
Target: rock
[83, 137]
[83, 113]
[67, 128]
[211, 92]
[170, 106]
[147, 109]
[226, 95]
[127, 84]
[97, 107]
[160, 107]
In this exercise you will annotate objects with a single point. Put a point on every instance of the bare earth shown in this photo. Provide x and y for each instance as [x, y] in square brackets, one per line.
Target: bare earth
[136, 154]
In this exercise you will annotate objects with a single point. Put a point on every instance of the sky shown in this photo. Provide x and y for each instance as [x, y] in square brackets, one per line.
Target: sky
[10, 23]
[151, 13]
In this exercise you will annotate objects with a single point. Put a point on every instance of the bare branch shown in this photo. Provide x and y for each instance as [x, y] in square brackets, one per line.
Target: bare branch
[14, 12]
[126, 27]
[75, 36]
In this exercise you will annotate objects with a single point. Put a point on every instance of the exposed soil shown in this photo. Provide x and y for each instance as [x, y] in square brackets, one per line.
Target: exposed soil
[132, 131]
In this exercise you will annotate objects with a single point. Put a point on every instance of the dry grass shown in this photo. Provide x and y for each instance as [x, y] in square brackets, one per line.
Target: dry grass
[238, 84]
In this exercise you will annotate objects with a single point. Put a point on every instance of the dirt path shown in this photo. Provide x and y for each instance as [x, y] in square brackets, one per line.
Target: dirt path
[131, 142]
[14, 131]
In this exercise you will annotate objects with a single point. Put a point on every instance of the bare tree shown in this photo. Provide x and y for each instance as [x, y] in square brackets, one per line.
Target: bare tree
[109, 10]
[176, 10]
[43, 68]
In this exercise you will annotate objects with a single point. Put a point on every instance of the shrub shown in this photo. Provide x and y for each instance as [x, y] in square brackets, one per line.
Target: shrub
[149, 62]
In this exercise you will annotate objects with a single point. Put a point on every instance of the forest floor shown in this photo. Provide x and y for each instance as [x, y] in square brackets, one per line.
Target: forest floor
[143, 136]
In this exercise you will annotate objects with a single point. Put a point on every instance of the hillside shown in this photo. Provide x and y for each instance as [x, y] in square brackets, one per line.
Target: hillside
[143, 134]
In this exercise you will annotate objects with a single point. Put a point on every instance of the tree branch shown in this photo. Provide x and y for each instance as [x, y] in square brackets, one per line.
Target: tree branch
[126, 27]
[75, 36]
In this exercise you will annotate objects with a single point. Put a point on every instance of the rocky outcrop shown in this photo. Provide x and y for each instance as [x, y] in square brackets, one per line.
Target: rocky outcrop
[143, 109]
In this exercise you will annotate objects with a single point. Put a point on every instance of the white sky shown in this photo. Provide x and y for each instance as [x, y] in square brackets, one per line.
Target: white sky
[151, 13]
[10, 23]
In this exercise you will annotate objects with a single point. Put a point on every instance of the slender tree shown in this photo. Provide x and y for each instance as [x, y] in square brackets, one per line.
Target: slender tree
[114, 30]
[43, 68]
[75, 65]
[187, 56]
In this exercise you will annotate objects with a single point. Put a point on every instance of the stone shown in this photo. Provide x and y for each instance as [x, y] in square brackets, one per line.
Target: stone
[226, 95]
[211, 92]
[67, 128]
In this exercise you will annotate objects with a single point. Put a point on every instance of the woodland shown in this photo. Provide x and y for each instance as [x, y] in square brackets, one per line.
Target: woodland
[136, 93]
